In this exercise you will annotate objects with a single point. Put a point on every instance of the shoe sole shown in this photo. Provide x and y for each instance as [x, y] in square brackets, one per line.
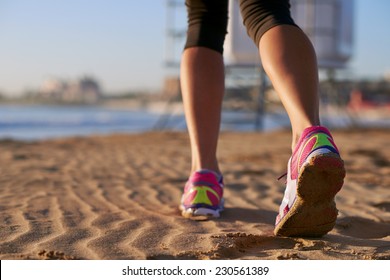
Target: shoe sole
[314, 211]
[201, 214]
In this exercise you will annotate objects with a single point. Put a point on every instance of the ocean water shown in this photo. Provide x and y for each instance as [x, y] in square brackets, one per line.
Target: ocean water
[44, 122]
[36, 122]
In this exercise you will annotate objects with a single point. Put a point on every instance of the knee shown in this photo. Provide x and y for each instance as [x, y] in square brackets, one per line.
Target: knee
[261, 15]
[207, 23]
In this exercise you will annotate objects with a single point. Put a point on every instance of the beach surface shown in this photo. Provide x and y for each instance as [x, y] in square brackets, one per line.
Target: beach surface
[116, 197]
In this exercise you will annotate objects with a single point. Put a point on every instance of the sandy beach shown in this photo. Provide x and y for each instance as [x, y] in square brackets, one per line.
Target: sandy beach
[116, 197]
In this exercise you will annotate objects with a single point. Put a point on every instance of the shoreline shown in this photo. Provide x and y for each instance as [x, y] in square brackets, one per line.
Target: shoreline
[32, 122]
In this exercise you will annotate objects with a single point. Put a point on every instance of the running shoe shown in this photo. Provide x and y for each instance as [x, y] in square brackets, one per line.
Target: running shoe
[202, 198]
[315, 174]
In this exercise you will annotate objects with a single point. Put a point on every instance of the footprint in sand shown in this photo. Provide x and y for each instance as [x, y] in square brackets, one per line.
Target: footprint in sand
[362, 228]
[384, 206]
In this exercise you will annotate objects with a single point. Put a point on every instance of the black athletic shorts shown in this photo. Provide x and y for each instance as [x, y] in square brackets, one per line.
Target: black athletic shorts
[207, 20]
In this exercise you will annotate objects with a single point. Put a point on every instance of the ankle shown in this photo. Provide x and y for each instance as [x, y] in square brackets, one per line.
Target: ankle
[297, 134]
[211, 166]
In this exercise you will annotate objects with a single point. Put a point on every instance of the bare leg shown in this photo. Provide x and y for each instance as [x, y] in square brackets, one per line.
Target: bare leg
[202, 82]
[289, 60]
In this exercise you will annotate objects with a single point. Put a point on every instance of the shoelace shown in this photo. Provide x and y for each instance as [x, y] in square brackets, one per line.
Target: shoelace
[284, 175]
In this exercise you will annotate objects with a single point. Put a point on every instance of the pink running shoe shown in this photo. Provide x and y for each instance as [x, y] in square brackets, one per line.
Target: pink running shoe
[202, 196]
[315, 174]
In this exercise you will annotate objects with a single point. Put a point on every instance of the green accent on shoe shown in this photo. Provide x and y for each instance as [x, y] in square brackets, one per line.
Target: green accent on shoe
[201, 195]
[322, 140]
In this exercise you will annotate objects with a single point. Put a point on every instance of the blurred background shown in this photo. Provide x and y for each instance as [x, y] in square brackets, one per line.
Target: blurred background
[80, 67]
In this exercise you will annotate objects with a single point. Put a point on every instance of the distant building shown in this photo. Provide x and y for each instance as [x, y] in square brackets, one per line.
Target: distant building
[85, 90]
[52, 89]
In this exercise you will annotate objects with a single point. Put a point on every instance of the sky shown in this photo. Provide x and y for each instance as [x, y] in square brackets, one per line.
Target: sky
[122, 43]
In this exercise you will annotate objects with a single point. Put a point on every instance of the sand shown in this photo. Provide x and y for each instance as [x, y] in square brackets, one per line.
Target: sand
[116, 197]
